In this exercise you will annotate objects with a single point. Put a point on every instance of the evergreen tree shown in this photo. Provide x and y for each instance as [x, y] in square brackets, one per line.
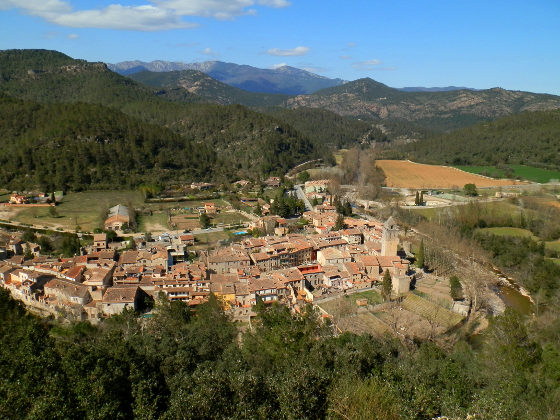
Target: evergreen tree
[420, 255]
[387, 285]
[417, 199]
[339, 224]
[347, 210]
[456, 288]
[338, 205]
[421, 202]
[204, 220]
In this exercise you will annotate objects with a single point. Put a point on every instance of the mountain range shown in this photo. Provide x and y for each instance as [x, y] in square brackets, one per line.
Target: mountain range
[282, 80]
[368, 99]
[77, 112]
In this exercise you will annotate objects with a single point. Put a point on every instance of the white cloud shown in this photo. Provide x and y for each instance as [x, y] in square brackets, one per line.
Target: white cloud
[115, 16]
[72, 36]
[208, 51]
[345, 57]
[366, 65]
[277, 66]
[153, 15]
[37, 7]
[297, 51]
[274, 3]
[219, 9]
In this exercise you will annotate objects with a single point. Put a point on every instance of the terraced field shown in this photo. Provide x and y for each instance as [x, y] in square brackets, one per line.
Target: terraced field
[431, 311]
[364, 323]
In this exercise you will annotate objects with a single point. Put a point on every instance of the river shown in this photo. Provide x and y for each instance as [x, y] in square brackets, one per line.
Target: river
[513, 295]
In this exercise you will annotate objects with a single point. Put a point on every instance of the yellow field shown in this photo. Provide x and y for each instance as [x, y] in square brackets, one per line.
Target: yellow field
[407, 174]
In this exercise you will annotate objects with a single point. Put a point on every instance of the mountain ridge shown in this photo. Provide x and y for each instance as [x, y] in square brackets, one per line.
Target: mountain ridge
[367, 98]
[282, 80]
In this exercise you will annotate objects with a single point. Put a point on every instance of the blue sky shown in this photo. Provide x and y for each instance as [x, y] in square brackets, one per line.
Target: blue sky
[481, 44]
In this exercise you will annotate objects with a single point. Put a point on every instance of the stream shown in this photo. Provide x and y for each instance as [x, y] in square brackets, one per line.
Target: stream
[512, 294]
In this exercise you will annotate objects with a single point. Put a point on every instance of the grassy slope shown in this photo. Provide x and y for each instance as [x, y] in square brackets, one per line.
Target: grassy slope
[509, 231]
[521, 171]
[85, 208]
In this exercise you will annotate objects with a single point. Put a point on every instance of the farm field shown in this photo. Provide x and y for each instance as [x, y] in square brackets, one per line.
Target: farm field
[431, 311]
[554, 245]
[82, 209]
[364, 323]
[228, 218]
[502, 209]
[522, 171]
[157, 222]
[185, 222]
[346, 305]
[407, 174]
[210, 239]
[509, 231]
[187, 206]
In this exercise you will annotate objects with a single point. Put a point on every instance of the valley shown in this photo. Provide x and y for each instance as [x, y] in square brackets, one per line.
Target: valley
[183, 233]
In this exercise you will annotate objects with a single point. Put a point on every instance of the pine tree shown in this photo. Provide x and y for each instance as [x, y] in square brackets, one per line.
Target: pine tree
[347, 209]
[204, 220]
[387, 285]
[420, 255]
[417, 199]
[421, 202]
[339, 224]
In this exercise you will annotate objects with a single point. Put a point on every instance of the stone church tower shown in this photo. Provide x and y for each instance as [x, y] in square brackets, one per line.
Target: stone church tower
[390, 238]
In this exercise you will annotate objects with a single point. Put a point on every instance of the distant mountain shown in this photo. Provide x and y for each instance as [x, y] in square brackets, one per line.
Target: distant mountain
[433, 89]
[282, 80]
[366, 98]
[198, 83]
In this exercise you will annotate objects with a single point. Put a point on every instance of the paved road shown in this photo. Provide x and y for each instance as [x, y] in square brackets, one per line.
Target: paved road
[302, 197]
[209, 230]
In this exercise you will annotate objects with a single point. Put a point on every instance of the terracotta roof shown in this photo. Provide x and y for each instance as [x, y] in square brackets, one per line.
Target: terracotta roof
[100, 237]
[117, 294]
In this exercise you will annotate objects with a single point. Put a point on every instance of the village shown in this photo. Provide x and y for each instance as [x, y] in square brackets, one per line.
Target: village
[321, 258]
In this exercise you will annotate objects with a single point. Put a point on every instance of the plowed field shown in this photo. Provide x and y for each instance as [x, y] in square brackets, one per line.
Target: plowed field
[407, 174]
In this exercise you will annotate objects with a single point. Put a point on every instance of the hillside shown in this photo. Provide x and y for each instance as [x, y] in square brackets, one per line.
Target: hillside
[529, 138]
[247, 144]
[447, 110]
[76, 146]
[329, 129]
[282, 80]
[197, 83]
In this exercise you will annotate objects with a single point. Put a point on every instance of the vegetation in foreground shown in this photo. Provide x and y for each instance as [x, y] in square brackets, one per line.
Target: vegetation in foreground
[180, 364]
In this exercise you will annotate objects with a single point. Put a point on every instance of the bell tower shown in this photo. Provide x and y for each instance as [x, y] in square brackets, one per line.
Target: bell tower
[390, 238]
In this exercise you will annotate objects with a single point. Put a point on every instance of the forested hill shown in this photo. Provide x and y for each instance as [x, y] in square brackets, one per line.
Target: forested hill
[529, 138]
[367, 98]
[76, 146]
[245, 143]
[50, 76]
